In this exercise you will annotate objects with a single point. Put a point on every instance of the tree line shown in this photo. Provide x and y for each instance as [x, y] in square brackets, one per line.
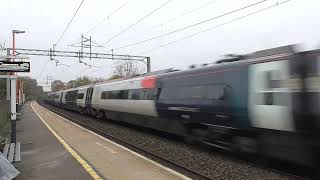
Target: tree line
[121, 69]
[31, 88]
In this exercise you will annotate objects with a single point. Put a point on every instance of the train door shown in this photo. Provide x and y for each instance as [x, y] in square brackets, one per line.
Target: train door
[312, 98]
[270, 103]
[60, 99]
[89, 97]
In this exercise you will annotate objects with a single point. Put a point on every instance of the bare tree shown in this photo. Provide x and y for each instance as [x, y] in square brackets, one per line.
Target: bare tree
[71, 84]
[114, 77]
[125, 69]
[97, 80]
[57, 85]
[31, 88]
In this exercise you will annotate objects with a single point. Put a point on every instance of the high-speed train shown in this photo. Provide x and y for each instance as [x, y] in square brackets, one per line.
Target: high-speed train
[265, 103]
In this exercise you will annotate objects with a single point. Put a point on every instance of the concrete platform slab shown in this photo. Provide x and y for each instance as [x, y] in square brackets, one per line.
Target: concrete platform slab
[43, 157]
[111, 160]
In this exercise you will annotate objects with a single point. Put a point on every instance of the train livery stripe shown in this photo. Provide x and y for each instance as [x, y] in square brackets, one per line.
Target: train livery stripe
[149, 82]
[82, 162]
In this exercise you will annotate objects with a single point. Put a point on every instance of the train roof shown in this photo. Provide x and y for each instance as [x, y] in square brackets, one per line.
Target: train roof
[239, 60]
[257, 56]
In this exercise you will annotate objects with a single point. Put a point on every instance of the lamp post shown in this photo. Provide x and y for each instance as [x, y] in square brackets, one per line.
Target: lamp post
[14, 32]
[11, 82]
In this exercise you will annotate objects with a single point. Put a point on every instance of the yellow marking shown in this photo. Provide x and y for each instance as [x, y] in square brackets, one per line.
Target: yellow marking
[83, 163]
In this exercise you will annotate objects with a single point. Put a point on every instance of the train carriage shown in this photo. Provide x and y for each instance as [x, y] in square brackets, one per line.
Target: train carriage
[258, 103]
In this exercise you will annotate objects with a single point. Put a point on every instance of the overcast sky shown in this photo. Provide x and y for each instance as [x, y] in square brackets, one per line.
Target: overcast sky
[296, 21]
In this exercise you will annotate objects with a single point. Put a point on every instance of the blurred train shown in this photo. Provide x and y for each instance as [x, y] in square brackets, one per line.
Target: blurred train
[266, 102]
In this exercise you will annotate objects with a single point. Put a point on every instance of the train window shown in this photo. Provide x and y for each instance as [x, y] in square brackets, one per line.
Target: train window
[195, 92]
[106, 95]
[268, 98]
[213, 92]
[134, 94]
[216, 92]
[169, 93]
[272, 98]
[142, 93]
[273, 79]
[123, 94]
[150, 94]
[80, 96]
[114, 94]
[71, 95]
[183, 92]
[118, 94]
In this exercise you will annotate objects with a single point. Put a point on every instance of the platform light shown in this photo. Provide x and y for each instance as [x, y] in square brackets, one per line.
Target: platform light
[18, 31]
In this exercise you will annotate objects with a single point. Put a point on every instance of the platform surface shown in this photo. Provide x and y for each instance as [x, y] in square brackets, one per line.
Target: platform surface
[109, 159]
[42, 156]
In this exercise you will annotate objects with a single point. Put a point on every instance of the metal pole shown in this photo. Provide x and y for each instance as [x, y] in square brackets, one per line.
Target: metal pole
[8, 79]
[13, 44]
[50, 54]
[22, 93]
[13, 98]
[81, 45]
[13, 109]
[112, 53]
[148, 65]
[90, 47]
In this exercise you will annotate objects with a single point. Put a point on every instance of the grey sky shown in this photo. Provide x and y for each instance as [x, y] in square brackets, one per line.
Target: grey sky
[44, 20]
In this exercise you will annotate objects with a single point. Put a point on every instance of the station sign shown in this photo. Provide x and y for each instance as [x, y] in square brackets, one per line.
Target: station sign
[9, 66]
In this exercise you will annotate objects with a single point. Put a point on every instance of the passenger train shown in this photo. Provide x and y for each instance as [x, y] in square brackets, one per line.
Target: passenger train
[266, 102]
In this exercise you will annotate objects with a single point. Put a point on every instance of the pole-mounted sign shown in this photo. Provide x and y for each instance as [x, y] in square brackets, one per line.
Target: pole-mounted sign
[8, 66]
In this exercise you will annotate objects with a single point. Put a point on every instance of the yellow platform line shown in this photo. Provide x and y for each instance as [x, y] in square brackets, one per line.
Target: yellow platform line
[83, 163]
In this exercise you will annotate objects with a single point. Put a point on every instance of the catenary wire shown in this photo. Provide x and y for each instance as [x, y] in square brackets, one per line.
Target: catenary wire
[170, 20]
[178, 16]
[74, 15]
[132, 25]
[189, 26]
[107, 17]
[96, 25]
[214, 27]
[173, 19]
[43, 68]
[189, 36]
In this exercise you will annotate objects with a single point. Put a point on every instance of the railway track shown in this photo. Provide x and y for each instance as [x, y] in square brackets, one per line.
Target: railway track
[180, 168]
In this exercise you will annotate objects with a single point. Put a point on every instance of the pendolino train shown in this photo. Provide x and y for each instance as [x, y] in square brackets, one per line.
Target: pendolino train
[265, 103]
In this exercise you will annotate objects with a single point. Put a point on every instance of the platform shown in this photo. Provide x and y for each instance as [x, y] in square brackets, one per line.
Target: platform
[55, 148]
[43, 157]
